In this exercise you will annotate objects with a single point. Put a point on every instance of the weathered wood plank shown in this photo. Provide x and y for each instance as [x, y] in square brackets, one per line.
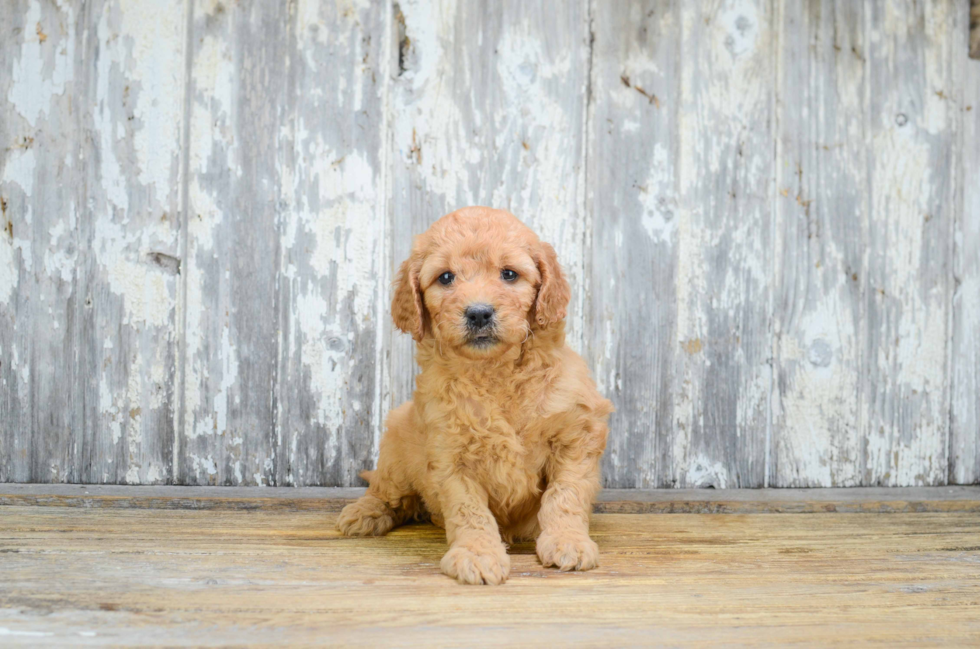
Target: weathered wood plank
[239, 71]
[883, 500]
[35, 143]
[131, 100]
[633, 197]
[38, 246]
[823, 226]
[286, 243]
[679, 318]
[906, 405]
[332, 295]
[488, 107]
[964, 444]
[723, 285]
[91, 193]
[864, 218]
[72, 576]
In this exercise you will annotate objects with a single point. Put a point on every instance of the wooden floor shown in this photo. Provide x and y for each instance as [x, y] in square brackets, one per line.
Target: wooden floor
[103, 575]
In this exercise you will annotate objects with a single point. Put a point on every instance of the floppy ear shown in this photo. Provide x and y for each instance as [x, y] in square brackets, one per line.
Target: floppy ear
[407, 309]
[554, 293]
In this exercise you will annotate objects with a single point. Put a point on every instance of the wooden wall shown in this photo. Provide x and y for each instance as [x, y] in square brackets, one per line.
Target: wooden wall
[769, 211]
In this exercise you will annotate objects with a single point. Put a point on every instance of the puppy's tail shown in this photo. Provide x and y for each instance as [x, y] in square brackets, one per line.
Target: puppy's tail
[367, 476]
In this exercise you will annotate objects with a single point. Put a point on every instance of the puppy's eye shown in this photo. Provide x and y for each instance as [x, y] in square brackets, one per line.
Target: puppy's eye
[446, 278]
[508, 275]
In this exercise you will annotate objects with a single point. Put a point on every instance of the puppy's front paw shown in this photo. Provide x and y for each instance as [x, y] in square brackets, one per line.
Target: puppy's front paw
[368, 516]
[568, 552]
[477, 563]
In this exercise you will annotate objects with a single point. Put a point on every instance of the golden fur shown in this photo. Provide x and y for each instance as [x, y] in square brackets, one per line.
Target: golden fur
[500, 442]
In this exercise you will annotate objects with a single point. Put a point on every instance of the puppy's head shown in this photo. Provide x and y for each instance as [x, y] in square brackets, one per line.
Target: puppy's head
[479, 281]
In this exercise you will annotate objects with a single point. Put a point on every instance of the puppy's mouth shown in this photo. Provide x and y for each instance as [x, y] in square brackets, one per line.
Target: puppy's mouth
[482, 340]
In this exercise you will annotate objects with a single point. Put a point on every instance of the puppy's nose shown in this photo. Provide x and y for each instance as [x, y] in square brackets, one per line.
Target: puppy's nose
[479, 315]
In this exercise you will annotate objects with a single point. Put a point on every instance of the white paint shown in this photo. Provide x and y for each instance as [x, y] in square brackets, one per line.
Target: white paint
[658, 197]
[205, 465]
[155, 474]
[738, 23]
[33, 634]
[134, 418]
[58, 262]
[342, 232]
[146, 291]
[19, 169]
[107, 127]
[324, 352]
[9, 272]
[820, 402]
[214, 82]
[155, 72]
[704, 472]
[42, 70]
[229, 376]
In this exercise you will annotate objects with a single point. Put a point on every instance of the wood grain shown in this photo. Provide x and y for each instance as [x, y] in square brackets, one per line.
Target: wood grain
[905, 422]
[285, 239]
[679, 319]
[230, 298]
[633, 150]
[128, 223]
[767, 210]
[964, 444]
[882, 500]
[332, 304]
[38, 143]
[88, 261]
[866, 175]
[823, 218]
[148, 577]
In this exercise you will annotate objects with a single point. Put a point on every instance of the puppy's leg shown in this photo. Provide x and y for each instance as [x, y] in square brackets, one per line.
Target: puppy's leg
[390, 499]
[566, 504]
[476, 554]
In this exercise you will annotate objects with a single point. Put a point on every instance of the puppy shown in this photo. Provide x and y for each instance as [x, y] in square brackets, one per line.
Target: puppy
[503, 438]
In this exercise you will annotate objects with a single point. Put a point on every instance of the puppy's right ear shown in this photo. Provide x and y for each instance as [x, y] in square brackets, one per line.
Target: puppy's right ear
[407, 309]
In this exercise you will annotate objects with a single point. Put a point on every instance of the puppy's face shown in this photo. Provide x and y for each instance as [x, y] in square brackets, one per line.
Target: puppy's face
[479, 282]
[479, 294]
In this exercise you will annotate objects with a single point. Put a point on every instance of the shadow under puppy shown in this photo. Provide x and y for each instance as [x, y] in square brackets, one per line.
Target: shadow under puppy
[503, 438]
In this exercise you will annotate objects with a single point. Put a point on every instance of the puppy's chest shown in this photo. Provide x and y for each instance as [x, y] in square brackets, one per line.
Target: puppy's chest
[500, 436]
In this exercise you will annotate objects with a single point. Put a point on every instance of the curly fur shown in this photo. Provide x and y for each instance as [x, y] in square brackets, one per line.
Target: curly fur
[499, 443]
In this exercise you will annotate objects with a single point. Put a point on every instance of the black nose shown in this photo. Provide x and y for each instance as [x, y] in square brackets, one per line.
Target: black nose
[479, 315]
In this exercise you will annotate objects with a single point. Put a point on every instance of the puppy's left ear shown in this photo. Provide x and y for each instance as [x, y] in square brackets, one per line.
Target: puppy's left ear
[554, 293]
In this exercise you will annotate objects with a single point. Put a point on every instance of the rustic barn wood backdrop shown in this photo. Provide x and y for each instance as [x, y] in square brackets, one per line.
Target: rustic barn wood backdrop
[769, 211]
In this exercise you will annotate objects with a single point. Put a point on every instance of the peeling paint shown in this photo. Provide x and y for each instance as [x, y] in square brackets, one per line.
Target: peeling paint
[9, 271]
[155, 81]
[42, 71]
[815, 332]
[19, 169]
[702, 472]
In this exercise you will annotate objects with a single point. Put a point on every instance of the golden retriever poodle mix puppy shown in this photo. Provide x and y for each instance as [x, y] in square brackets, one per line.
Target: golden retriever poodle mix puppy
[503, 438]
